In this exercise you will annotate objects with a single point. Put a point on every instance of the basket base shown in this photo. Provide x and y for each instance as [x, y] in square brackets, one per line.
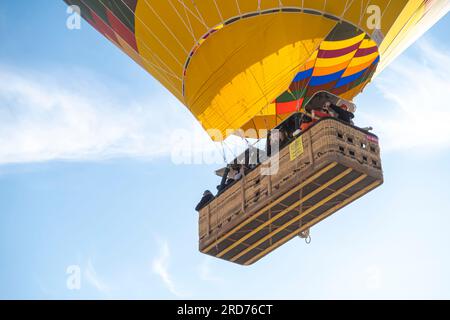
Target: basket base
[325, 192]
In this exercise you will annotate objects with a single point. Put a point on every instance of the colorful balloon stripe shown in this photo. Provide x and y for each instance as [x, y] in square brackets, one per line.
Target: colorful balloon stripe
[337, 69]
[213, 56]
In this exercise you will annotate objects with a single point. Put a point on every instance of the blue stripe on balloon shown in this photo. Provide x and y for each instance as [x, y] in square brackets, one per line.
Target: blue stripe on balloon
[350, 79]
[356, 76]
[321, 80]
[303, 75]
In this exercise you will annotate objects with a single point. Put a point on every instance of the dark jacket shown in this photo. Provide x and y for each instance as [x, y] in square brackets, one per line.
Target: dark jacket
[343, 115]
[205, 200]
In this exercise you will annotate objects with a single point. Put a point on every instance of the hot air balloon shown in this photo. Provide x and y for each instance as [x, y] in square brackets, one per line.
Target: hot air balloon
[250, 65]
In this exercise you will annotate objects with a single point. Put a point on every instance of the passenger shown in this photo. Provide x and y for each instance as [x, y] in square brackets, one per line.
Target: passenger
[342, 112]
[274, 137]
[268, 144]
[223, 183]
[326, 108]
[291, 125]
[325, 112]
[240, 173]
[280, 137]
[207, 198]
[283, 137]
[316, 115]
[235, 174]
[221, 188]
[305, 124]
[297, 124]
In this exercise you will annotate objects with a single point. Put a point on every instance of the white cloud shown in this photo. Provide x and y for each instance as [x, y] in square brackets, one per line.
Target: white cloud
[46, 117]
[73, 116]
[94, 280]
[160, 266]
[207, 274]
[415, 111]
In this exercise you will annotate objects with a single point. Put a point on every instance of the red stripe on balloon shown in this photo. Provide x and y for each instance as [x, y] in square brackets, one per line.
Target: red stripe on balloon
[337, 53]
[102, 27]
[121, 29]
[366, 51]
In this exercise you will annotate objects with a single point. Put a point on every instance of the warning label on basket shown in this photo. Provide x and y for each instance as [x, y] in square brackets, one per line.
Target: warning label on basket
[296, 148]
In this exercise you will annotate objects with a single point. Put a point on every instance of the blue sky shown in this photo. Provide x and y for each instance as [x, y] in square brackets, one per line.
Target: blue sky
[87, 179]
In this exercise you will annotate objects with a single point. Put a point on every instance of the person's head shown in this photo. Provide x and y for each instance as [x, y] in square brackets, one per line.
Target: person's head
[275, 135]
[349, 108]
[326, 107]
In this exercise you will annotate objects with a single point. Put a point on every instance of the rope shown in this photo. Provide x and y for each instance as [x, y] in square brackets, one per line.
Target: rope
[223, 153]
[238, 8]
[155, 36]
[199, 14]
[218, 11]
[193, 14]
[363, 13]
[167, 27]
[189, 28]
[151, 64]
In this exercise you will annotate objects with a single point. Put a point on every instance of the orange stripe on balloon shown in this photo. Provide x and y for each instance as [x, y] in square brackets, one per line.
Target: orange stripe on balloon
[353, 70]
[330, 70]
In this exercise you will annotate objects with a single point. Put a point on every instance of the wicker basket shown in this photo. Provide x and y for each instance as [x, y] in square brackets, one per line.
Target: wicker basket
[329, 166]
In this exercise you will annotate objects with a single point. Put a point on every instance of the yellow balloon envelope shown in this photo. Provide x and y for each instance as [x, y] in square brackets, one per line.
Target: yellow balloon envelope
[246, 64]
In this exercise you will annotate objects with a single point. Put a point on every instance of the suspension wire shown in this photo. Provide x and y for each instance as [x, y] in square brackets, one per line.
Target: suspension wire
[218, 11]
[223, 153]
[238, 7]
[347, 6]
[158, 69]
[189, 28]
[363, 13]
[169, 70]
[161, 43]
[224, 143]
[167, 27]
[199, 14]
[200, 19]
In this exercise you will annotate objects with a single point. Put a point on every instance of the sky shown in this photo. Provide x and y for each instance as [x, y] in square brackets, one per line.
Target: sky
[89, 181]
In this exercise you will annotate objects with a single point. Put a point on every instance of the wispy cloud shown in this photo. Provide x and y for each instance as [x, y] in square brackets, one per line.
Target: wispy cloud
[65, 116]
[90, 274]
[207, 274]
[160, 266]
[415, 111]
[46, 117]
